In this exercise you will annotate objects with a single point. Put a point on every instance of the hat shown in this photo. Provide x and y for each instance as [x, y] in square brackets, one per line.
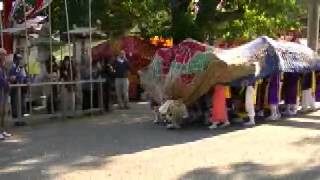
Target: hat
[3, 51]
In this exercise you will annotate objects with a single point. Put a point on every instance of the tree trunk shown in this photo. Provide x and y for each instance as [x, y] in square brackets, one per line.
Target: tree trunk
[179, 8]
[313, 24]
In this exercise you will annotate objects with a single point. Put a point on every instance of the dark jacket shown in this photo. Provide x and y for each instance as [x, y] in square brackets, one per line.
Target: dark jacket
[121, 69]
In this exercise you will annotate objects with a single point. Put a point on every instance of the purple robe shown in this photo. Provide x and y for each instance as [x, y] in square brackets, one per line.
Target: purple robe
[318, 86]
[4, 87]
[290, 83]
[274, 88]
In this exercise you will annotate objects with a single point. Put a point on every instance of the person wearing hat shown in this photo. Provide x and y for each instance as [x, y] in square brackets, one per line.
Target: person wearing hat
[4, 92]
[18, 75]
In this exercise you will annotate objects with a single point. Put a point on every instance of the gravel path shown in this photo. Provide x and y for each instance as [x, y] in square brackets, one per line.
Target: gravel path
[126, 145]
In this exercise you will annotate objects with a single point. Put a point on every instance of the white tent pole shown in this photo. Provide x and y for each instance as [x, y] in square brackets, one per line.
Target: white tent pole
[26, 55]
[90, 53]
[51, 54]
[69, 38]
[1, 22]
[50, 38]
[71, 59]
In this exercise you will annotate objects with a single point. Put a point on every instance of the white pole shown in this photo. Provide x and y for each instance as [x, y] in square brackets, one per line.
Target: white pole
[51, 65]
[90, 54]
[1, 24]
[50, 38]
[68, 34]
[69, 49]
[26, 55]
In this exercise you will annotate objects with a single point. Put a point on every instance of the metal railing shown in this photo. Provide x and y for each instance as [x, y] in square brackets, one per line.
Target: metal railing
[26, 97]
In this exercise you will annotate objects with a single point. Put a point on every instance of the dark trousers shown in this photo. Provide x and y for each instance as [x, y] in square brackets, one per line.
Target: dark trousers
[106, 96]
[14, 102]
[53, 100]
[3, 107]
[261, 94]
[86, 99]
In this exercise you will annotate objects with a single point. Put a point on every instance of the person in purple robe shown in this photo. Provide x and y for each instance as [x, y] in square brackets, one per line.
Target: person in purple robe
[274, 96]
[308, 99]
[317, 95]
[290, 89]
[4, 93]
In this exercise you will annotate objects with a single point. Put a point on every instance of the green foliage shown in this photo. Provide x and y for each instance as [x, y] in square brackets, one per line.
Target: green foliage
[151, 17]
[264, 18]
[117, 17]
[78, 13]
[176, 18]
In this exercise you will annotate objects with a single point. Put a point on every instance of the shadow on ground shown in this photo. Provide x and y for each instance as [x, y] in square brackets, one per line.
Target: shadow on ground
[250, 171]
[90, 142]
[308, 121]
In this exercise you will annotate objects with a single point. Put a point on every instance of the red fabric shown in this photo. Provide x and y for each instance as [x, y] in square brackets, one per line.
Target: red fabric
[180, 54]
[219, 105]
[167, 57]
[186, 50]
[8, 41]
[139, 52]
[186, 78]
[37, 6]
[7, 11]
[102, 51]
[133, 90]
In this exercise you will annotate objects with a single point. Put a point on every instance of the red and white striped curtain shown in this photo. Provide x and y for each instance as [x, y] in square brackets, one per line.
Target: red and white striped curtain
[8, 42]
[39, 6]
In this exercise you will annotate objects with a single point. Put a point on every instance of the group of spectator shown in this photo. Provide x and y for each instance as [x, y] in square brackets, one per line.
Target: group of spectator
[64, 71]
[114, 71]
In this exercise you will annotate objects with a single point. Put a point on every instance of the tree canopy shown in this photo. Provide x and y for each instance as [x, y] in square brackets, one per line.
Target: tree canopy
[180, 19]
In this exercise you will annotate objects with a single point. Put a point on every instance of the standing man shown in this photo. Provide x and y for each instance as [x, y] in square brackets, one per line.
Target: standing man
[4, 93]
[121, 67]
[18, 75]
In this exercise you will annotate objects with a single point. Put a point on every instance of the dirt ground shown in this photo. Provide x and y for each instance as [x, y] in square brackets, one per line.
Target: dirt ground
[126, 145]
